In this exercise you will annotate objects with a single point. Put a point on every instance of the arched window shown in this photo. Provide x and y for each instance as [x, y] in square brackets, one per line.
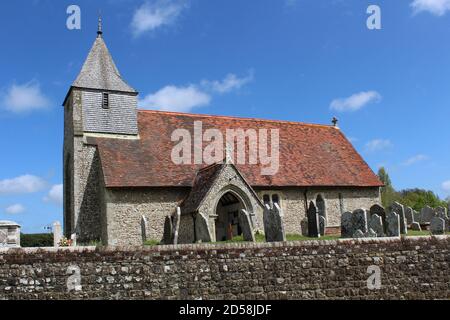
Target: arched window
[275, 199]
[271, 199]
[266, 199]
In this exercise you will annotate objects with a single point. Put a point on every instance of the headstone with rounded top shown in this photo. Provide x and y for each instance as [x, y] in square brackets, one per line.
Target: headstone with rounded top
[347, 229]
[437, 226]
[393, 224]
[426, 214]
[360, 220]
[376, 225]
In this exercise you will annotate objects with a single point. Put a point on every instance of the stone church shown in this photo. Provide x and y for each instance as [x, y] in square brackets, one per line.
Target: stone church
[121, 186]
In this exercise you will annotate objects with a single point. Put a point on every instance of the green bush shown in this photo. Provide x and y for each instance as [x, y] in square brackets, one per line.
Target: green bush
[36, 240]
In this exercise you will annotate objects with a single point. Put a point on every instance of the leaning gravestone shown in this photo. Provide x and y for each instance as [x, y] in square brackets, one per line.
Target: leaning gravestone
[426, 214]
[393, 224]
[246, 226]
[416, 226]
[347, 225]
[360, 220]
[376, 225]
[409, 215]
[400, 210]
[437, 226]
[322, 222]
[313, 221]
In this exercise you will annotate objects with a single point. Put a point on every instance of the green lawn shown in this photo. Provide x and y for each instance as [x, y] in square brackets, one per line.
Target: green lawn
[413, 233]
[295, 237]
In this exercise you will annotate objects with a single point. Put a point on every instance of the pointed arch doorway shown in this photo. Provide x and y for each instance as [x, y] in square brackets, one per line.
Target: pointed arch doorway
[227, 212]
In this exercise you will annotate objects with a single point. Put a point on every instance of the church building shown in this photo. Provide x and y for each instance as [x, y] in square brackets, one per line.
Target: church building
[123, 187]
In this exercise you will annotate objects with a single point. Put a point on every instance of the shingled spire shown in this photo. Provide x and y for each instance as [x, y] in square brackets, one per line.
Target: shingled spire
[99, 70]
[108, 103]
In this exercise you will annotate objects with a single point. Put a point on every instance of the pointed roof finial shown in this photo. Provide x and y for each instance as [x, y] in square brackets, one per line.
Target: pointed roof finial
[100, 26]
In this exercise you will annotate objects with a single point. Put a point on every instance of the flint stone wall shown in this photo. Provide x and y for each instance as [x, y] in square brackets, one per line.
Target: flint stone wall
[411, 268]
[295, 205]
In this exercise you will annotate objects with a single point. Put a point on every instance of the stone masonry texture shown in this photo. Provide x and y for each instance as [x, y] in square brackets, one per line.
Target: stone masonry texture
[411, 268]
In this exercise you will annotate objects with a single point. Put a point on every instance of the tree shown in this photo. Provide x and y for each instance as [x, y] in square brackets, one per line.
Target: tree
[419, 198]
[388, 194]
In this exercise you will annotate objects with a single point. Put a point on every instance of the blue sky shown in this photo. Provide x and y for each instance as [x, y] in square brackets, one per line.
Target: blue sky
[300, 60]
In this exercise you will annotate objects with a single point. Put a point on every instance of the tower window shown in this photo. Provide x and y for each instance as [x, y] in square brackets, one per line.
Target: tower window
[105, 101]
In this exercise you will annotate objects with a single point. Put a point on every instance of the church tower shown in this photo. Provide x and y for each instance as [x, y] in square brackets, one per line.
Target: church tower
[99, 104]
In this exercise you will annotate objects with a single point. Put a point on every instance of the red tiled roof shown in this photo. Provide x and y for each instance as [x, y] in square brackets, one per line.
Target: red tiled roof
[310, 155]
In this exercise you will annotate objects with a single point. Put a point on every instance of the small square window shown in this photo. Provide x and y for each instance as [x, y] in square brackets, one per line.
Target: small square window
[105, 101]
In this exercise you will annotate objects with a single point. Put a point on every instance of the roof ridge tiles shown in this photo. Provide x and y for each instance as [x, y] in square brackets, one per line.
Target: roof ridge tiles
[235, 118]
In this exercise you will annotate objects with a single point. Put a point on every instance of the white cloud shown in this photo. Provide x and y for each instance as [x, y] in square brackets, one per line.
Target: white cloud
[22, 184]
[415, 159]
[355, 101]
[154, 14]
[172, 98]
[231, 82]
[25, 97]
[186, 98]
[446, 186]
[436, 7]
[15, 209]
[378, 145]
[55, 195]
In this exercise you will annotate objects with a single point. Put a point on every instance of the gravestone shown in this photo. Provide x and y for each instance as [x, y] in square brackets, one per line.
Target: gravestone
[322, 223]
[416, 226]
[358, 234]
[441, 212]
[393, 224]
[57, 233]
[144, 229]
[202, 230]
[176, 225]
[426, 214]
[380, 211]
[73, 237]
[416, 215]
[347, 225]
[246, 226]
[274, 223]
[371, 234]
[409, 215]
[400, 210]
[9, 234]
[313, 221]
[376, 225]
[360, 220]
[168, 230]
[437, 226]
